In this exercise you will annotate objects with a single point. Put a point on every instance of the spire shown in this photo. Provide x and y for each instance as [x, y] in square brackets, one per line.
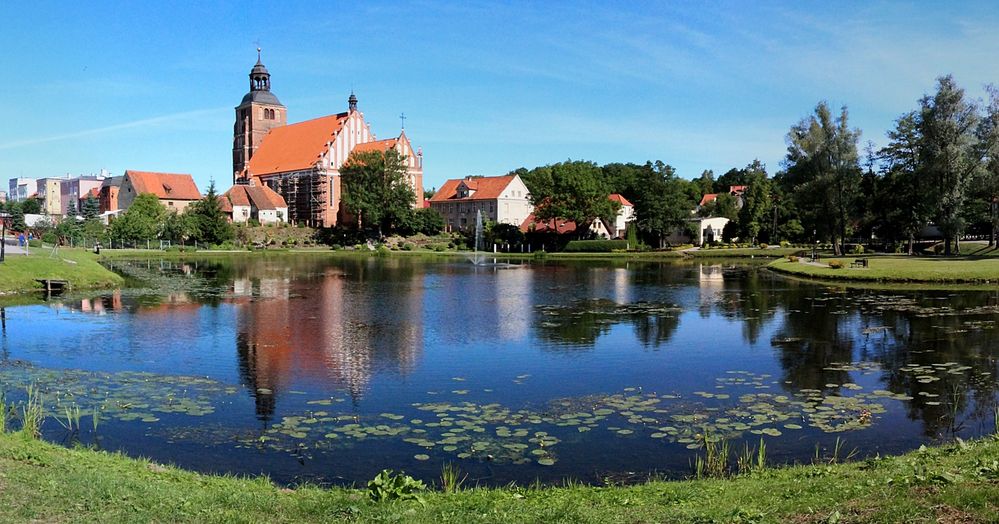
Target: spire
[260, 79]
[352, 102]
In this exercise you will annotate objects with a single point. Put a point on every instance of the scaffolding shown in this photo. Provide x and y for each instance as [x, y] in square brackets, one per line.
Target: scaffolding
[306, 194]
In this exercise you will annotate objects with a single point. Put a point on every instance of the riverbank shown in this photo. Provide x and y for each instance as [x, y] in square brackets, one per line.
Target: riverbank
[954, 483]
[901, 269]
[18, 273]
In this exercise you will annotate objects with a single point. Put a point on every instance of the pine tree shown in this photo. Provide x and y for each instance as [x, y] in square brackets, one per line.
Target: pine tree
[210, 224]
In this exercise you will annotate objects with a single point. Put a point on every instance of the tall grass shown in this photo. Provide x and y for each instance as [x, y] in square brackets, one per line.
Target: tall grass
[451, 478]
[32, 413]
[837, 455]
[3, 412]
[752, 459]
[714, 463]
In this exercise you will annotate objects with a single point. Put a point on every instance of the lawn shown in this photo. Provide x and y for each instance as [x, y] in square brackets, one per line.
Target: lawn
[79, 267]
[964, 269]
[41, 482]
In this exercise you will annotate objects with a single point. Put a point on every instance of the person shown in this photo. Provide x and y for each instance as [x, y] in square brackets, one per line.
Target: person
[20, 239]
[97, 248]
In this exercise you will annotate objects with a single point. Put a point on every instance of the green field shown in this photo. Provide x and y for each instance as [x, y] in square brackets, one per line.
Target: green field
[900, 269]
[79, 267]
[41, 482]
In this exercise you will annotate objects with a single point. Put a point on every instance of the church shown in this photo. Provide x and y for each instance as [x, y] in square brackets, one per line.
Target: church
[302, 161]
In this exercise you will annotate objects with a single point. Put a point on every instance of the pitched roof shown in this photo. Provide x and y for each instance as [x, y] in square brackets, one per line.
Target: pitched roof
[614, 197]
[260, 197]
[170, 186]
[295, 147]
[708, 198]
[559, 226]
[486, 188]
[377, 145]
[224, 203]
[94, 192]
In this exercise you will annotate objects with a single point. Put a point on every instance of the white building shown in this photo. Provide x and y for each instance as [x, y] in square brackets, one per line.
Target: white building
[21, 188]
[261, 203]
[624, 215]
[502, 199]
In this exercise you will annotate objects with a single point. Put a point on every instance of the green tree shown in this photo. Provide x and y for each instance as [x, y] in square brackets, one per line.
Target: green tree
[905, 206]
[724, 205]
[139, 223]
[208, 224]
[823, 170]
[948, 154]
[178, 228]
[71, 210]
[571, 190]
[376, 191]
[91, 208]
[663, 205]
[31, 206]
[989, 146]
[756, 205]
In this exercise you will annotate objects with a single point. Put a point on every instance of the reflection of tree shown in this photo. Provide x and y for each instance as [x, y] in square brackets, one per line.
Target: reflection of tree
[583, 322]
[810, 339]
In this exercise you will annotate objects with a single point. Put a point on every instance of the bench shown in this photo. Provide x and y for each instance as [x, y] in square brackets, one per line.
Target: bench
[860, 262]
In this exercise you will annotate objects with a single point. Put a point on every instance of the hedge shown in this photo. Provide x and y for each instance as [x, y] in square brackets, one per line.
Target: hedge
[595, 246]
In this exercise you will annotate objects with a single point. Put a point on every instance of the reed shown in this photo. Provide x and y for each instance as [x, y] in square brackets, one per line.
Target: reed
[32, 413]
[451, 478]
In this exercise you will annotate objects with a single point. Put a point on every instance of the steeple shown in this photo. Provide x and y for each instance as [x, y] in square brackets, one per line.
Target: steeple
[260, 79]
[352, 102]
[258, 113]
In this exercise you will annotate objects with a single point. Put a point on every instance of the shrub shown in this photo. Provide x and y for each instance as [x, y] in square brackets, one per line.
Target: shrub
[388, 486]
[836, 264]
[49, 237]
[382, 251]
[595, 246]
[408, 246]
[438, 247]
[784, 243]
[792, 258]
[764, 246]
[34, 242]
[858, 249]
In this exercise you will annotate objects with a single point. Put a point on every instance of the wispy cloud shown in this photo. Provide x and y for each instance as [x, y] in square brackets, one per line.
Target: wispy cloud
[145, 122]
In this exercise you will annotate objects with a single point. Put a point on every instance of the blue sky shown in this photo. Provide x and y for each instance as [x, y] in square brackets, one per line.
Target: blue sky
[486, 87]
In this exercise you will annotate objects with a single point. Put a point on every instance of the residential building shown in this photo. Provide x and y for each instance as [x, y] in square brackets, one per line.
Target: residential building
[21, 188]
[49, 191]
[625, 214]
[76, 189]
[302, 161]
[599, 228]
[501, 199]
[261, 203]
[109, 193]
[3, 197]
[175, 191]
[735, 191]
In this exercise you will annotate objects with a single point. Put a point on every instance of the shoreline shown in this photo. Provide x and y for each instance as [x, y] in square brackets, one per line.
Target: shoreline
[40, 481]
[980, 272]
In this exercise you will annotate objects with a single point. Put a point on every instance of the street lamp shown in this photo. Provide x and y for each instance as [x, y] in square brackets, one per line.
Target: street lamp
[3, 235]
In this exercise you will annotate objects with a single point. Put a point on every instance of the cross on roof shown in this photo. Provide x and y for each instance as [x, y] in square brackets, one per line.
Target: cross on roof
[402, 117]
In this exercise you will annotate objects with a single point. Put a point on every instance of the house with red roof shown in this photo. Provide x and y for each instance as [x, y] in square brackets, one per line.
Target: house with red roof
[501, 199]
[302, 161]
[261, 203]
[599, 228]
[176, 191]
[735, 191]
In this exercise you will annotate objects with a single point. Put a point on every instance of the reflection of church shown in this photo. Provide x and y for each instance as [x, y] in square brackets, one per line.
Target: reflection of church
[334, 334]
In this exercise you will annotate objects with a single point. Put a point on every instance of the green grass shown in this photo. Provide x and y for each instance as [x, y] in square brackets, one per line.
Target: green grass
[18, 272]
[901, 269]
[48, 483]
[744, 252]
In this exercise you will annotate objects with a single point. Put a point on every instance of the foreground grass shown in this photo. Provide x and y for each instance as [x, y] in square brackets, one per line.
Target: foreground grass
[901, 269]
[79, 267]
[44, 482]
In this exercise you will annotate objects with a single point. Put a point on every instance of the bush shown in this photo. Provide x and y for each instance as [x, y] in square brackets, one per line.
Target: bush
[34, 242]
[764, 246]
[438, 247]
[408, 246]
[595, 246]
[49, 237]
[792, 258]
[388, 486]
[858, 249]
[784, 243]
[836, 264]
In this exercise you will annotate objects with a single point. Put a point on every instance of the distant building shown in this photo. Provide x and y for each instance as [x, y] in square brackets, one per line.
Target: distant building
[109, 193]
[599, 228]
[261, 203]
[502, 199]
[3, 197]
[76, 189]
[49, 191]
[21, 189]
[175, 191]
[302, 161]
[735, 191]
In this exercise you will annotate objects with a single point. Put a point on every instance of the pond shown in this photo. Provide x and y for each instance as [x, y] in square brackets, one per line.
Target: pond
[326, 370]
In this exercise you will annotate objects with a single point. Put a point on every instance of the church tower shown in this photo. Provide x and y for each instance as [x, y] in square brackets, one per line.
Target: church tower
[259, 112]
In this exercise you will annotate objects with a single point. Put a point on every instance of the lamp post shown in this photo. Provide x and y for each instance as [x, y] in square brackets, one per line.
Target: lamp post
[3, 235]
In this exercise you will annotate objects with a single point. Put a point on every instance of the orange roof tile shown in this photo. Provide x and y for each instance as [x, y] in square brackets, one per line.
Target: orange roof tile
[224, 203]
[614, 197]
[169, 186]
[708, 198]
[295, 147]
[260, 197]
[559, 226]
[377, 145]
[486, 188]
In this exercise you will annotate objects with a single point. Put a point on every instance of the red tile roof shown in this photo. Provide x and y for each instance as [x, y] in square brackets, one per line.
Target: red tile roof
[260, 197]
[225, 204]
[168, 186]
[706, 199]
[614, 197]
[559, 226]
[377, 145]
[295, 147]
[486, 188]
[94, 192]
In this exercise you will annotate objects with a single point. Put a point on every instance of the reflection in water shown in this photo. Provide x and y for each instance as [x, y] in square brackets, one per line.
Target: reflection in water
[383, 334]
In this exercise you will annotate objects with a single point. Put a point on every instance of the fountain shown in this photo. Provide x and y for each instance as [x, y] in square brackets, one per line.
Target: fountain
[479, 254]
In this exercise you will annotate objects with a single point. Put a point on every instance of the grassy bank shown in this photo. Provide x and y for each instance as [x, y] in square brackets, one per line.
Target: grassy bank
[900, 269]
[956, 483]
[79, 267]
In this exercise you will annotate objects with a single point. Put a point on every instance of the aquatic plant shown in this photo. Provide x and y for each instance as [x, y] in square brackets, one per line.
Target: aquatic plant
[32, 413]
[3, 412]
[451, 478]
[714, 464]
[70, 420]
[837, 454]
[387, 486]
[752, 459]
